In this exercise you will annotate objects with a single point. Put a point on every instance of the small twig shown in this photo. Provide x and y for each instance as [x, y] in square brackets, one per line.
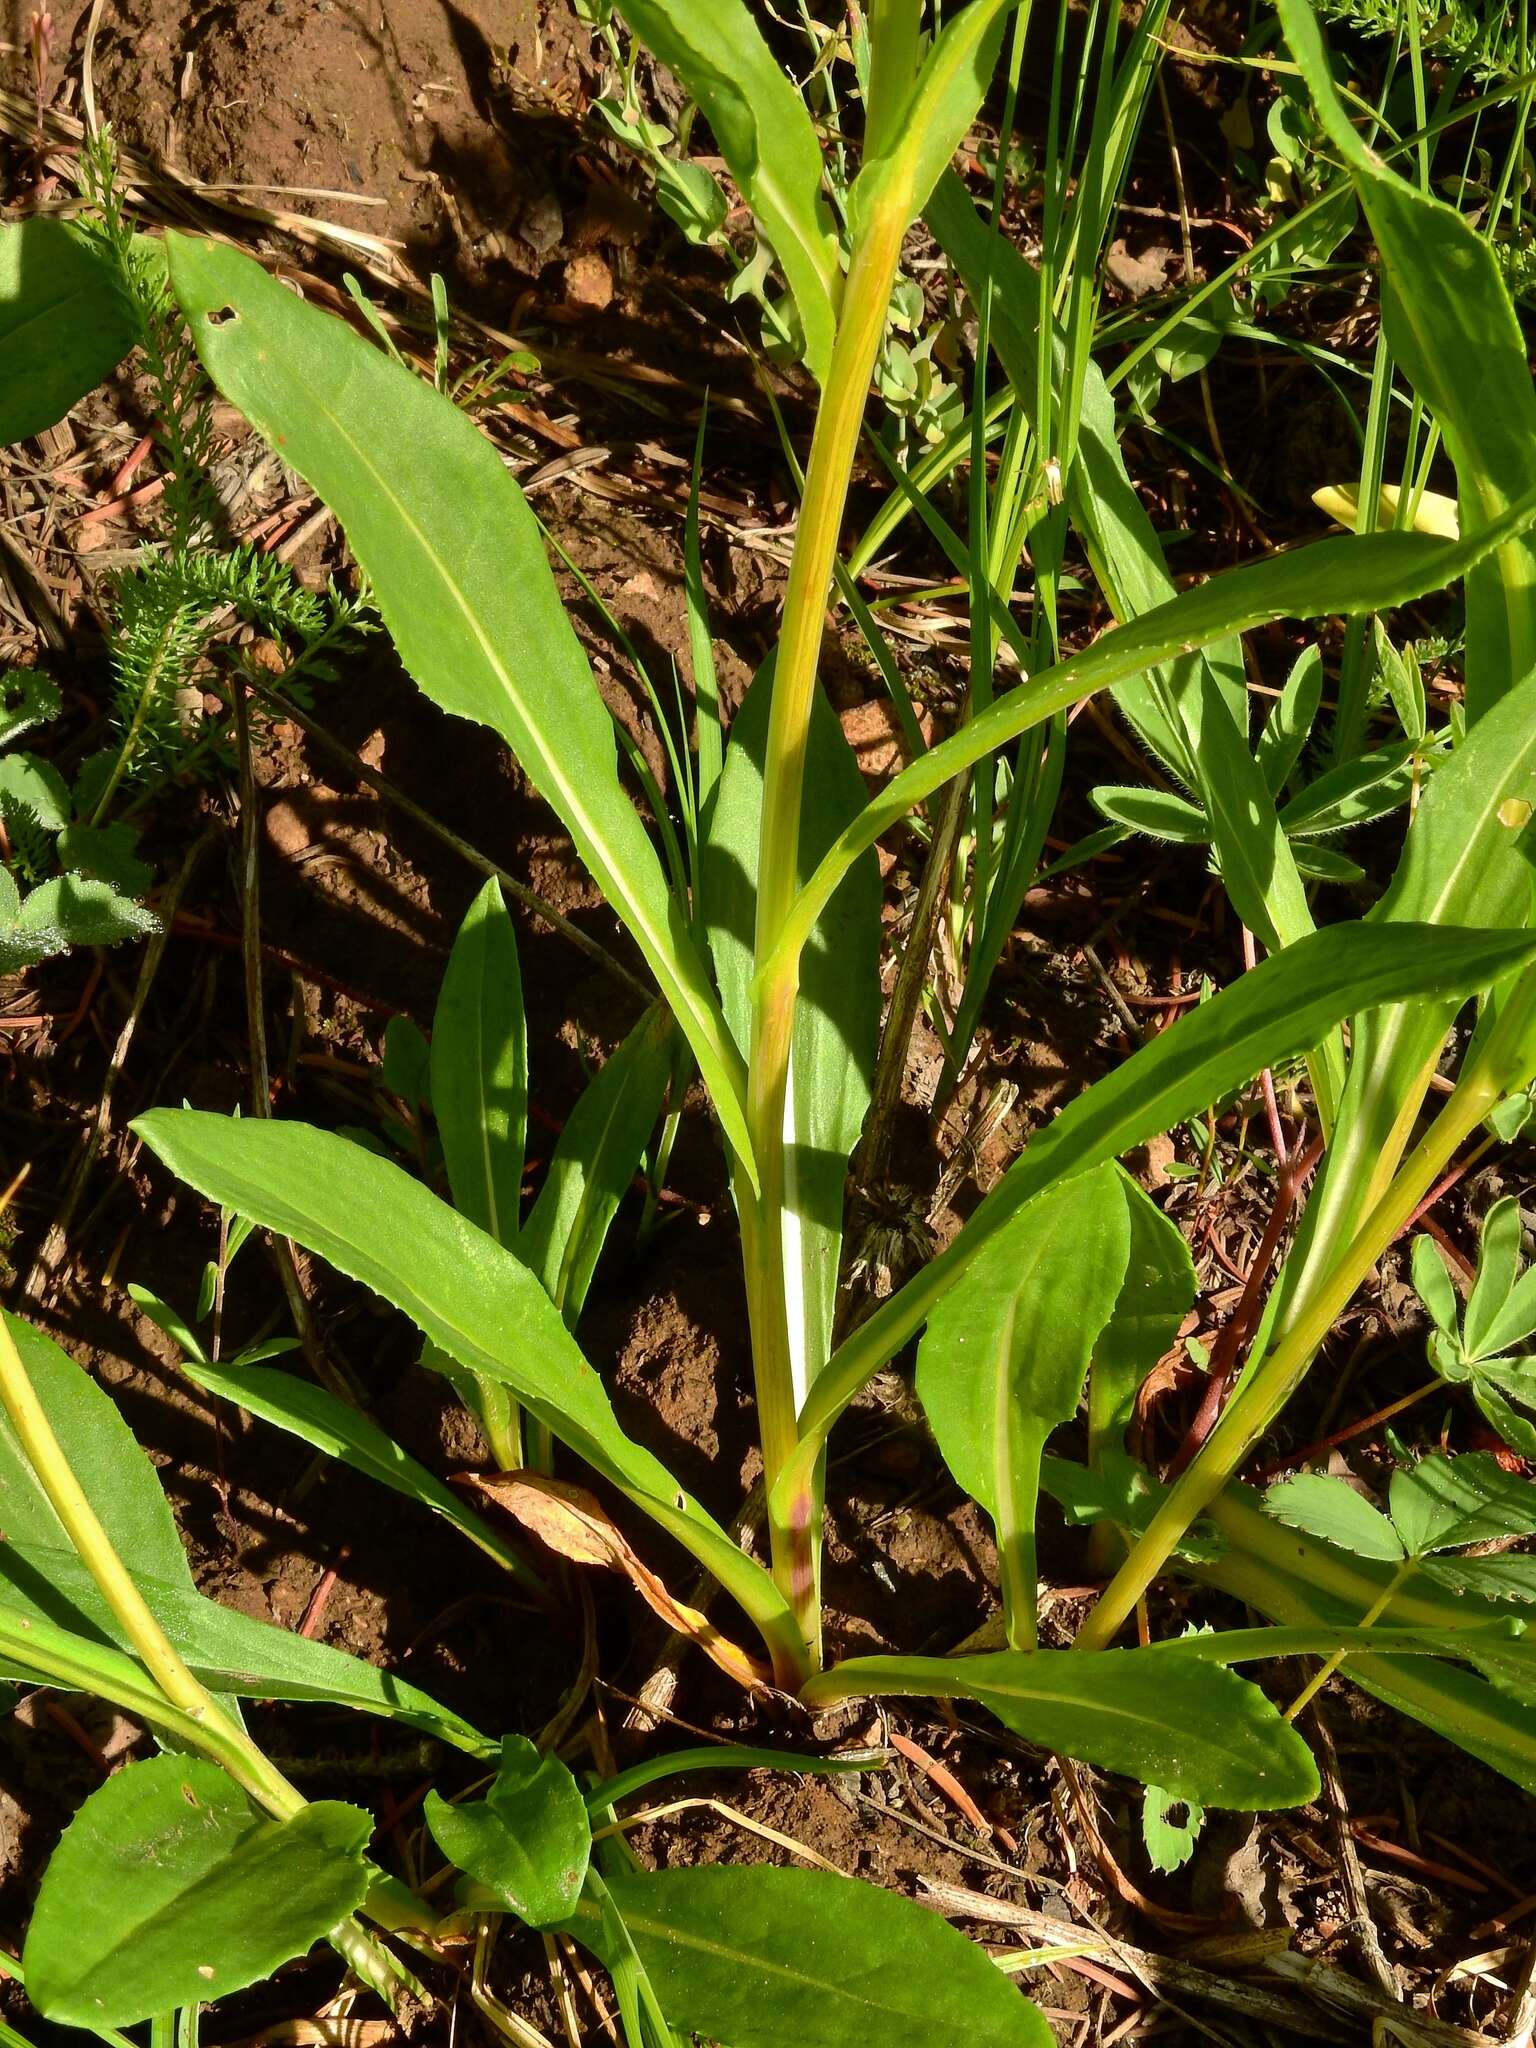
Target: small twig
[529, 898]
[1362, 1927]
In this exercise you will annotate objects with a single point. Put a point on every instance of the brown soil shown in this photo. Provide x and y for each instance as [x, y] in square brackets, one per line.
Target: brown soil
[467, 128]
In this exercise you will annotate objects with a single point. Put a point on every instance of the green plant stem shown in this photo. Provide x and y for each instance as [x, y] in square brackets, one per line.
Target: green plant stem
[1265, 1392]
[1331, 1663]
[838, 424]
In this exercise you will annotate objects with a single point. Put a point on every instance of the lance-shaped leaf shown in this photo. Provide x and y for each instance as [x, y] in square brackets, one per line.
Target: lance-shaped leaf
[468, 1294]
[193, 1893]
[1006, 1352]
[317, 1417]
[1194, 1728]
[1350, 574]
[458, 568]
[477, 1071]
[767, 1958]
[1154, 1297]
[228, 1650]
[837, 1017]
[528, 1840]
[594, 1162]
[765, 136]
[480, 1068]
[1277, 1012]
[65, 323]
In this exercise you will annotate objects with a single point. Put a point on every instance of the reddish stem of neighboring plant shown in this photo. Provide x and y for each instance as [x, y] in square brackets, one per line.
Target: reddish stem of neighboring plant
[1292, 1178]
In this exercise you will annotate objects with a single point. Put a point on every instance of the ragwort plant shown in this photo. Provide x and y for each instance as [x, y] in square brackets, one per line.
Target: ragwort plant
[1065, 1283]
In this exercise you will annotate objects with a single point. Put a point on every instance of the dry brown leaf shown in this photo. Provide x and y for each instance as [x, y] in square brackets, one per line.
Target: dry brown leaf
[574, 1524]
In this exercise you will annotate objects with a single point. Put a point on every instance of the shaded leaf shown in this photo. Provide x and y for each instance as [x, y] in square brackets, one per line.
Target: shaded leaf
[479, 1068]
[1006, 1352]
[65, 323]
[193, 1893]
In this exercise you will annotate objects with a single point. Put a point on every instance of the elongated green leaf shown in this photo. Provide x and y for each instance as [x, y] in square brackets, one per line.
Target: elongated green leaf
[480, 1068]
[528, 1841]
[1449, 321]
[594, 1162]
[1355, 791]
[837, 1017]
[1276, 1012]
[1195, 1729]
[767, 1958]
[1350, 573]
[950, 87]
[65, 323]
[1322, 1583]
[1192, 708]
[458, 567]
[1464, 863]
[1290, 722]
[765, 136]
[1006, 1352]
[1331, 1508]
[230, 1651]
[1157, 812]
[170, 1888]
[319, 1418]
[1155, 1296]
[1498, 1267]
[465, 1292]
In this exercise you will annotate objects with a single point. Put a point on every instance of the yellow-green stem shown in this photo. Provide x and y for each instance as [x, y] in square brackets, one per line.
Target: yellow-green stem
[1371, 1616]
[839, 420]
[1256, 1404]
[230, 1744]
